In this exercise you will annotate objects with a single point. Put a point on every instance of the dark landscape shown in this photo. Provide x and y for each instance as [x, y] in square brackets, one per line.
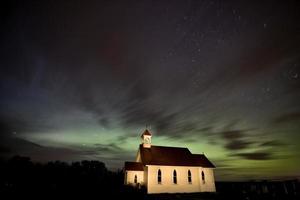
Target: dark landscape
[20, 177]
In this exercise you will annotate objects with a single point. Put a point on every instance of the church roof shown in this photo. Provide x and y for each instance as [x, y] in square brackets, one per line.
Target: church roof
[134, 166]
[172, 156]
[146, 132]
[203, 160]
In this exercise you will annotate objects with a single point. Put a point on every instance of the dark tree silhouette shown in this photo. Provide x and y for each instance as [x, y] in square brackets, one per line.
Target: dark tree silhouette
[21, 177]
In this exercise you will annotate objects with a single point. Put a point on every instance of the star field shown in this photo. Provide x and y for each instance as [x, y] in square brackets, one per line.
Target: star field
[81, 80]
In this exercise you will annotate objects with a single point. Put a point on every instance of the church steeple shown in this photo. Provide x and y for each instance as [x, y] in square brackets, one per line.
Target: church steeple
[146, 139]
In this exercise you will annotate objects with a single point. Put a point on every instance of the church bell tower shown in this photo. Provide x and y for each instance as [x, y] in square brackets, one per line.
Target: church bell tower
[146, 139]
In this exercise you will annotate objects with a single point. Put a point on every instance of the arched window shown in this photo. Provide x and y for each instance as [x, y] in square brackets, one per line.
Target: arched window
[189, 176]
[135, 178]
[203, 177]
[174, 177]
[159, 177]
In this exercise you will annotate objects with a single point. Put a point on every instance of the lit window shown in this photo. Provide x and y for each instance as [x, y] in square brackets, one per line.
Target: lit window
[174, 177]
[203, 177]
[135, 179]
[159, 176]
[189, 176]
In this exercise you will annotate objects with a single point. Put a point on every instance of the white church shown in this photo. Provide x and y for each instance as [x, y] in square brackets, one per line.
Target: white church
[169, 169]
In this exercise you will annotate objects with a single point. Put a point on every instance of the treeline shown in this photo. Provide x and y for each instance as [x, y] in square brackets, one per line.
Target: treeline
[20, 176]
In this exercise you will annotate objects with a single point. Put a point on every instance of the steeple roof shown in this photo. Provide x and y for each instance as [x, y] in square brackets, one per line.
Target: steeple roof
[146, 132]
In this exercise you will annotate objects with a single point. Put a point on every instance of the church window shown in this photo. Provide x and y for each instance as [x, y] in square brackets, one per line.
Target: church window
[203, 177]
[135, 179]
[189, 177]
[159, 176]
[174, 177]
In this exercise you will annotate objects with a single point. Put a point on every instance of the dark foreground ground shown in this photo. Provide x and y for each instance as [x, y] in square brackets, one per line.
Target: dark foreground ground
[260, 190]
[19, 177]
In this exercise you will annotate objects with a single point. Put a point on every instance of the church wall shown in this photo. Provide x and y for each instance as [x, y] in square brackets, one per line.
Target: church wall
[146, 176]
[209, 184]
[167, 185]
[129, 176]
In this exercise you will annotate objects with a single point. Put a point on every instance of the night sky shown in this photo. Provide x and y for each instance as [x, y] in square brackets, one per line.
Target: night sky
[82, 80]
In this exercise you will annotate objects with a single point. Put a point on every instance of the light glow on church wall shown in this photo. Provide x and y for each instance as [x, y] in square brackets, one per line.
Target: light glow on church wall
[167, 184]
[130, 178]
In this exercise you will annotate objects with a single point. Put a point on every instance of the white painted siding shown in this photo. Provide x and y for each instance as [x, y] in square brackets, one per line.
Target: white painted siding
[167, 185]
[129, 177]
[209, 184]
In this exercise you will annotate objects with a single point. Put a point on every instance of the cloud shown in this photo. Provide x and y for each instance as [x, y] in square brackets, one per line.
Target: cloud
[123, 138]
[18, 146]
[204, 129]
[272, 143]
[111, 154]
[144, 112]
[237, 144]
[111, 147]
[233, 135]
[255, 155]
[105, 122]
[236, 139]
[290, 117]
[9, 124]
